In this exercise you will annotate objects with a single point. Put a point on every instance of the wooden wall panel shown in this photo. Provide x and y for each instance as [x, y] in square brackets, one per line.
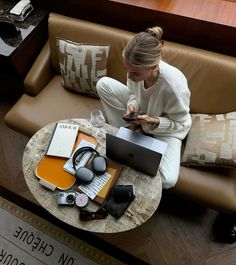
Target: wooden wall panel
[207, 24]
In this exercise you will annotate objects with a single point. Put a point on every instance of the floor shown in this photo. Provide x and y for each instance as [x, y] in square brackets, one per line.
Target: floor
[180, 232]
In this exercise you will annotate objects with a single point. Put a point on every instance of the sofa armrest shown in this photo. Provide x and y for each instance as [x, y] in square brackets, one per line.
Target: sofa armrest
[40, 73]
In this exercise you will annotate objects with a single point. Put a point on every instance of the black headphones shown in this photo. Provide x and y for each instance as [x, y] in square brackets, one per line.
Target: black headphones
[99, 165]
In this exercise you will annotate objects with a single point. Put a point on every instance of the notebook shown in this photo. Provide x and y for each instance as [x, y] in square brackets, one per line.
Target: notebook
[136, 150]
[62, 140]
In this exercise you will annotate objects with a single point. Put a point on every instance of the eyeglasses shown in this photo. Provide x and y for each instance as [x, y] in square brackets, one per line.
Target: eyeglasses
[85, 215]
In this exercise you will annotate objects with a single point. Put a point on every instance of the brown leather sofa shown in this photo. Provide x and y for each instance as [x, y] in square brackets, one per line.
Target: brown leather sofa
[211, 77]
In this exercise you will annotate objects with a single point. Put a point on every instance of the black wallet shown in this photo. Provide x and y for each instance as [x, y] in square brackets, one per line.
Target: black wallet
[117, 207]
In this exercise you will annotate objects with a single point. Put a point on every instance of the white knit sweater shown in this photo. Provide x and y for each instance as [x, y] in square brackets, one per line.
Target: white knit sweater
[168, 99]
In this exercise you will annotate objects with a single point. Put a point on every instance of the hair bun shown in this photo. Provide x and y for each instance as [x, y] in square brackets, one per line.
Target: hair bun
[155, 32]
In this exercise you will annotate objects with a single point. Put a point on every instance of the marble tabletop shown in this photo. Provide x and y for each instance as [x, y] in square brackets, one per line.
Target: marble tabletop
[148, 190]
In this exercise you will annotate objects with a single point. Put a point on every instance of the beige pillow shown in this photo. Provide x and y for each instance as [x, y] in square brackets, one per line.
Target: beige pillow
[82, 65]
[211, 141]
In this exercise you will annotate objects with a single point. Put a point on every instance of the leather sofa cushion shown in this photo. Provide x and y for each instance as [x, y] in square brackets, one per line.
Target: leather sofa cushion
[51, 99]
[214, 187]
[211, 77]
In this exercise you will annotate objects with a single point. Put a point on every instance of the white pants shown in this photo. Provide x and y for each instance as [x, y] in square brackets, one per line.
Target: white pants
[114, 96]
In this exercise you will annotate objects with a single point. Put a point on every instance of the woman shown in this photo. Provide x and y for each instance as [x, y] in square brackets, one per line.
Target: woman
[155, 88]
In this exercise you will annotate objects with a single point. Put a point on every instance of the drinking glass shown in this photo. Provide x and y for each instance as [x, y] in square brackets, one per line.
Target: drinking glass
[98, 120]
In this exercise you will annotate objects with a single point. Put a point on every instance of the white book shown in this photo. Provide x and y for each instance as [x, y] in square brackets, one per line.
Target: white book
[62, 140]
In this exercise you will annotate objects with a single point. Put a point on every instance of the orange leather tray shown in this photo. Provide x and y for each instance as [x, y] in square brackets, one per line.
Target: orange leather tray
[50, 169]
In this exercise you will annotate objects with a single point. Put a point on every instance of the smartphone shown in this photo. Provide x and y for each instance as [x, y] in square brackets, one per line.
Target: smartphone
[132, 116]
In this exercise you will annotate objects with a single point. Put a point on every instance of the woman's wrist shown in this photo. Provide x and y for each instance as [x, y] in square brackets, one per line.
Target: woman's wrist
[156, 121]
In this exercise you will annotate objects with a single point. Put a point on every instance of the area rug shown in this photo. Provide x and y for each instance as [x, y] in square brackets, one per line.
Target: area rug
[27, 239]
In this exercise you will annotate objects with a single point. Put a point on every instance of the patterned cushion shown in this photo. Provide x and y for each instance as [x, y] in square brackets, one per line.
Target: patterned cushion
[82, 65]
[211, 141]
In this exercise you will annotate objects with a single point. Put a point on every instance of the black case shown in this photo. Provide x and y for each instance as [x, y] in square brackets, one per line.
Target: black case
[116, 209]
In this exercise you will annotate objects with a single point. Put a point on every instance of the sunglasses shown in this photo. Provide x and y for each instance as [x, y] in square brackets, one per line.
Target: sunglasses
[85, 215]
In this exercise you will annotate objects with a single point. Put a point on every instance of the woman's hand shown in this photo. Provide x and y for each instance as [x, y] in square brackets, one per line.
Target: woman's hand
[130, 109]
[147, 119]
[128, 117]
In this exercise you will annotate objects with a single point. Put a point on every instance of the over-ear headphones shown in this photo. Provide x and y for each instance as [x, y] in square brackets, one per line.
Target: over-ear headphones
[99, 165]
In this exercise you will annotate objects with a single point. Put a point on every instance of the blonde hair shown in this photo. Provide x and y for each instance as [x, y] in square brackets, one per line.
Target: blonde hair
[144, 49]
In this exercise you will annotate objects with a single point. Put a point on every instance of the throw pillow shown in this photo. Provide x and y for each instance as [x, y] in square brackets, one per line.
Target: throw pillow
[211, 141]
[82, 65]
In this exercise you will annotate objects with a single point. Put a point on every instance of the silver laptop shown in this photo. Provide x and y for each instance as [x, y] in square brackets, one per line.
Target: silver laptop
[136, 150]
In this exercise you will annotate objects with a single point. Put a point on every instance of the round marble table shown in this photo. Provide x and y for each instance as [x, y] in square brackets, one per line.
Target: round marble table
[148, 189]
